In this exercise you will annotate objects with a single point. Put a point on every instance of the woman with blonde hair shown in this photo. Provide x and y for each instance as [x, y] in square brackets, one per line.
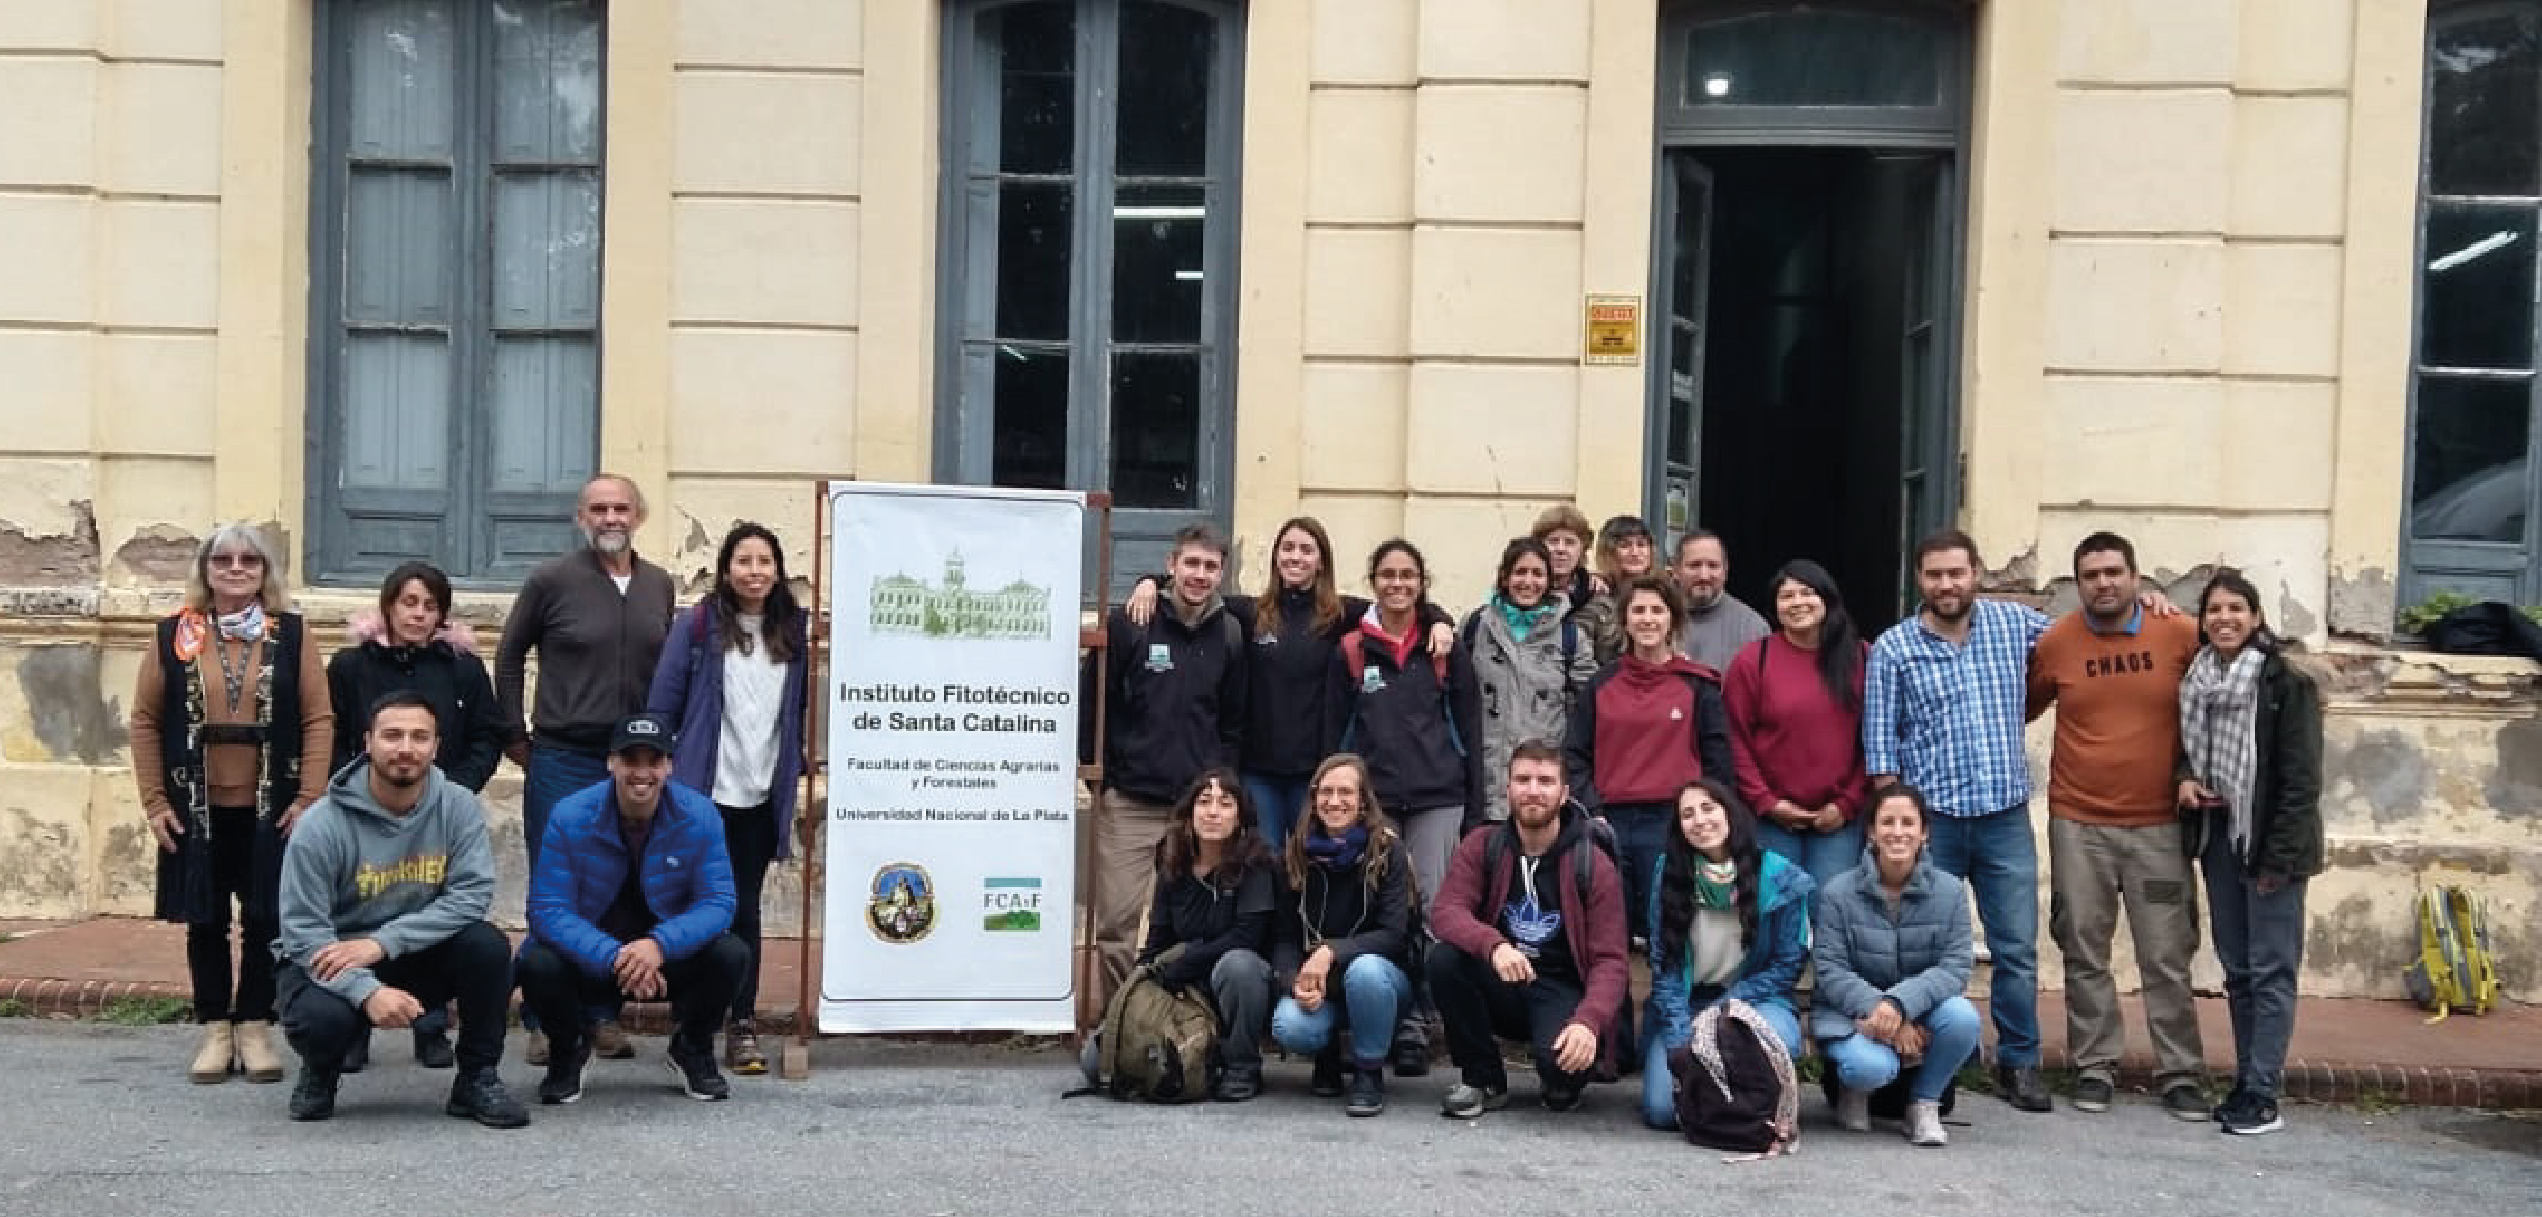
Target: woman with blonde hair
[1344, 937]
[230, 732]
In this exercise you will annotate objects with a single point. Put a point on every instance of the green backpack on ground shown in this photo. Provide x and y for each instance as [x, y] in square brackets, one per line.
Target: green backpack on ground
[2454, 971]
[1154, 1044]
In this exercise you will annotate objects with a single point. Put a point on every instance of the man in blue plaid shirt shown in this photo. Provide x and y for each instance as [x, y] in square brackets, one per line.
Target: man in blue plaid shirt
[1943, 711]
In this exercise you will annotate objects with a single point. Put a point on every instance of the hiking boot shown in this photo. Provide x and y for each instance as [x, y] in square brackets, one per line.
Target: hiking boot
[1412, 1049]
[479, 1095]
[609, 1041]
[695, 1067]
[432, 1050]
[534, 1048]
[1853, 1109]
[741, 1049]
[1466, 1101]
[2186, 1101]
[1560, 1097]
[2022, 1087]
[2257, 1116]
[1924, 1124]
[214, 1054]
[1367, 1092]
[1326, 1081]
[313, 1096]
[1237, 1084]
[2093, 1093]
[564, 1080]
[357, 1055]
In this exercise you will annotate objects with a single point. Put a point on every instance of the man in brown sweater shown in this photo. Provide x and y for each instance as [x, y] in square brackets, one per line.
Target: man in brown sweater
[2112, 669]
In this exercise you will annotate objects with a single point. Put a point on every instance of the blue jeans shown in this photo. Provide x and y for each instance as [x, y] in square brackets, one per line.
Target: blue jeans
[1998, 857]
[1863, 1063]
[1823, 855]
[1659, 1086]
[1279, 804]
[1641, 836]
[553, 774]
[2259, 938]
[1373, 989]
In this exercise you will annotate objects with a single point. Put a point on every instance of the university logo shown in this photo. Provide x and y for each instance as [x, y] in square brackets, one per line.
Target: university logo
[902, 908]
[1011, 906]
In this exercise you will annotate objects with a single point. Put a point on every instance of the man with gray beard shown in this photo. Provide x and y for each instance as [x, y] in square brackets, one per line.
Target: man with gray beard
[596, 616]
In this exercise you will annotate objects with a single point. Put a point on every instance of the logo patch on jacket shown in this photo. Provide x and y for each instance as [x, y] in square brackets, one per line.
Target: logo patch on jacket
[1160, 658]
[1371, 681]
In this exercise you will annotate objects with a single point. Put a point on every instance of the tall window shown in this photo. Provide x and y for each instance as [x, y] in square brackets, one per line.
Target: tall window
[454, 370]
[1088, 258]
[2472, 485]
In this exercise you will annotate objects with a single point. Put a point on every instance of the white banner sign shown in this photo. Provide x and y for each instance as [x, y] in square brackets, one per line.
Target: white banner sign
[951, 893]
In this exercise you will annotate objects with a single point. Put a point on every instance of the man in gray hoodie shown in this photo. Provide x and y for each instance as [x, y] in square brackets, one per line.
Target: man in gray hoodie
[385, 885]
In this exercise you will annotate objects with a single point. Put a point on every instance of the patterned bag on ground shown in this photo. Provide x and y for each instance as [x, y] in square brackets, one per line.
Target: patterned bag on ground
[1155, 1044]
[2454, 969]
[1735, 1085]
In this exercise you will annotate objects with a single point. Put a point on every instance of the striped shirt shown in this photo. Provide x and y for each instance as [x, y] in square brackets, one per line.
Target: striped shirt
[1947, 718]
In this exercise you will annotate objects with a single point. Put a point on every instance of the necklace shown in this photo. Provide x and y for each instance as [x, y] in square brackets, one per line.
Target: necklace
[233, 678]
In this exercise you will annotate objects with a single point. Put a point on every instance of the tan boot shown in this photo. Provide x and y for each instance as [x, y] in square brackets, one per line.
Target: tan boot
[256, 1052]
[212, 1058]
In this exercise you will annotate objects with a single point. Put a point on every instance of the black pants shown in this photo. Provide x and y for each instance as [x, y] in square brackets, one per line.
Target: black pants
[1480, 1009]
[207, 949]
[702, 988]
[750, 836]
[472, 967]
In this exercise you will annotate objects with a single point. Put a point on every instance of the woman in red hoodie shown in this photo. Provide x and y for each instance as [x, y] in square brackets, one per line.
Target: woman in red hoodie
[1647, 725]
[1795, 702]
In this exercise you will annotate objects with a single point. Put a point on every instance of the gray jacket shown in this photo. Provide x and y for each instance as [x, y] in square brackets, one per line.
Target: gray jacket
[1918, 956]
[1527, 688]
[353, 870]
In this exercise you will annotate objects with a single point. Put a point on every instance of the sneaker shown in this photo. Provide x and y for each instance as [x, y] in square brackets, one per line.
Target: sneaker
[480, 1095]
[2022, 1087]
[2186, 1101]
[432, 1050]
[2093, 1093]
[1853, 1109]
[2234, 1101]
[357, 1056]
[695, 1067]
[1326, 1081]
[2257, 1116]
[1367, 1092]
[1467, 1101]
[609, 1041]
[1924, 1124]
[1235, 1085]
[1558, 1097]
[534, 1048]
[742, 1054]
[313, 1096]
[1412, 1049]
[564, 1080]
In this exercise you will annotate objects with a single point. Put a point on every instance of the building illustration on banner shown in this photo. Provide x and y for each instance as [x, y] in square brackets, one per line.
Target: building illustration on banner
[904, 605]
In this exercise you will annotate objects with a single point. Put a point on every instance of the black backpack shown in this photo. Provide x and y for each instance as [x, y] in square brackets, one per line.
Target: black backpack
[2487, 628]
[1734, 1082]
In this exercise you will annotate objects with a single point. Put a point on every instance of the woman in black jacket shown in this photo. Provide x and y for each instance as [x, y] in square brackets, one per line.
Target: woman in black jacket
[413, 645]
[1214, 899]
[2250, 793]
[1345, 936]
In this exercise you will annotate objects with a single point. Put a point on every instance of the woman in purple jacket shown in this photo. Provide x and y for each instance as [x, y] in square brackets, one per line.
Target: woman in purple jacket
[732, 677]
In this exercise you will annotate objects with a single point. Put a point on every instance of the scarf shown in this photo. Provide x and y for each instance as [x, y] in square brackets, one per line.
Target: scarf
[1716, 884]
[1523, 621]
[2219, 727]
[1337, 853]
[245, 625]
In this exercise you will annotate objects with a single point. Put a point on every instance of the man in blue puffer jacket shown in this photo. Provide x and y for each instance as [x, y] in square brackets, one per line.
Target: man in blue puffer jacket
[633, 896]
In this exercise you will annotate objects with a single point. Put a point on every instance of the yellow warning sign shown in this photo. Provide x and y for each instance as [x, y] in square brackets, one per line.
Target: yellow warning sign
[1612, 330]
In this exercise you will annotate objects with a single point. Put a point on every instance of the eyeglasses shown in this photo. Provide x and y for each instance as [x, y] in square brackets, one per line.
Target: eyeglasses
[239, 561]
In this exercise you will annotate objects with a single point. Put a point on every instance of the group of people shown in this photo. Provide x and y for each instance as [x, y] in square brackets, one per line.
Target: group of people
[332, 812]
[1346, 819]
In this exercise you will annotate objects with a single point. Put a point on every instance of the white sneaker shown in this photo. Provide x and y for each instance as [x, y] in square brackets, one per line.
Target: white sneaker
[1924, 1124]
[1853, 1109]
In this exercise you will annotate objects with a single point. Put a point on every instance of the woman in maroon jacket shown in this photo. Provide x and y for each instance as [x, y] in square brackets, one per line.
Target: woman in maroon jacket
[1795, 703]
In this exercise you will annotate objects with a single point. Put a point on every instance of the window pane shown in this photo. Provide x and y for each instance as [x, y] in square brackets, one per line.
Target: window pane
[2476, 296]
[1155, 430]
[1031, 396]
[547, 81]
[2482, 132]
[1033, 255]
[1166, 56]
[397, 247]
[2471, 482]
[1157, 263]
[1815, 58]
[396, 413]
[403, 75]
[1033, 49]
[544, 413]
[546, 250]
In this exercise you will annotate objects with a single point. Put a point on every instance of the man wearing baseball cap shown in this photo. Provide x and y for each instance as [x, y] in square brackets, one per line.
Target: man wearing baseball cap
[633, 897]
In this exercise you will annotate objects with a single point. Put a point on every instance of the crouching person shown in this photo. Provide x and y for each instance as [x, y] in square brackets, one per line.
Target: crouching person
[1214, 898]
[385, 885]
[1893, 953]
[1530, 922]
[1345, 936]
[633, 898]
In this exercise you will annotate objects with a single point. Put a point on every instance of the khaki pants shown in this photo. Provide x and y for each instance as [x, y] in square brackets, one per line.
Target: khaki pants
[1126, 830]
[2093, 870]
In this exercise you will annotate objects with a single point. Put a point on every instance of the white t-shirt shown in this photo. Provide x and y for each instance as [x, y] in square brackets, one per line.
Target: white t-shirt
[746, 751]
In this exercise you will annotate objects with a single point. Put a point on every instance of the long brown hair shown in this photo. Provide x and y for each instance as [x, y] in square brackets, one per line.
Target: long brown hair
[1328, 601]
[1181, 846]
[778, 617]
[1381, 831]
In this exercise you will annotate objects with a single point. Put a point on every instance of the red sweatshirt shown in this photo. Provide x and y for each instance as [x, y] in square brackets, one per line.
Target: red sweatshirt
[1642, 730]
[1793, 739]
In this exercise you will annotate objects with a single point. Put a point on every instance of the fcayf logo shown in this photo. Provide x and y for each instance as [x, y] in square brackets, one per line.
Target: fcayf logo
[1011, 906]
[902, 908]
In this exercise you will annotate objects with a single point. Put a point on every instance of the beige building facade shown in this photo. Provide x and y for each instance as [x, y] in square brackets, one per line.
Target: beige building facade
[2048, 267]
